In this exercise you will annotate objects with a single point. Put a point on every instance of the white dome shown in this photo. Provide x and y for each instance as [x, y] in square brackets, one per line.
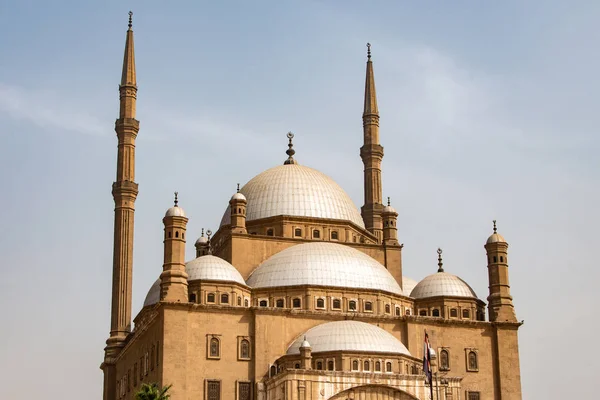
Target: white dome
[323, 264]
[349, 336]
[212, 268]
[408, 285]
[299, 191]
[442, 284]
[389, 209]
[153, 295]
[238, 196]
[202, 240]
[175, 211]
[496, 238]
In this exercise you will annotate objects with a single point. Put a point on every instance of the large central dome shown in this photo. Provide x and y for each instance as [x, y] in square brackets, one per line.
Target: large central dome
[298, 191]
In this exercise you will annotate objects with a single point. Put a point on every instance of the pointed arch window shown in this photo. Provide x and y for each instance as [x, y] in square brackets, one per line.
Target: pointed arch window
[245, 349]
[444, 360]
[472, 362]
[214, 347]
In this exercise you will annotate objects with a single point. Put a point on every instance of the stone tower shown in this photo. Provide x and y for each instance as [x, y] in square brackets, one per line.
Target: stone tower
[238, 212]
[500, 303]
[390, 218]
[372, 153]
[124, 191]
[173, 279]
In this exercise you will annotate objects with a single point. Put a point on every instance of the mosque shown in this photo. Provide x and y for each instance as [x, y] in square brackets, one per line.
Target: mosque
[298, 295]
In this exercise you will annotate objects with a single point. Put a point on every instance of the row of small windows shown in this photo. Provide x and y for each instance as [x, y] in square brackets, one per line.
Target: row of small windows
[472, 360]
[336, 304]
[214, 348]
[495, 258]
[390, 223]
[148, 361]
[466, 313]
[212, 298]
[176, 234]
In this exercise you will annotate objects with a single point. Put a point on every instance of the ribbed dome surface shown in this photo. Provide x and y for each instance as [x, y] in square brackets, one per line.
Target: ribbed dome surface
[349, 336]
[408, 285]
[496, 238]
[299, 191]
[323, 264]
[212, 268]
[442, 284]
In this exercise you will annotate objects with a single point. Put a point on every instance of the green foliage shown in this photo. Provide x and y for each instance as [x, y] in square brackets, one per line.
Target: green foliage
[151, 391]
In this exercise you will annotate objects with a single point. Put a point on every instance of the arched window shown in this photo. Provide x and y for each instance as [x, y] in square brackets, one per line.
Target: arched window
[215, 347]
[366, 366]
[368, 306]
[397, 311]
[316, 234]
[334, 235]
[436, 313]
[407, 312]
[466, 313]
[263, 303]
[388, 367]
[176, 234]
[414, 370]
[319, 365]
[297, 365]
[352, 305]
[270, 232]
[320, 303]
[192, 297]
[423, 313]
[336, 304]
[273, 370]
[387, 309]
[495, 259]
[246, 303]
[473, 365]
[355, 365]
[378, 366]
[210, 298]
[224, 298]
[444, 360]
[239, 303]
[296, 303]
[279, 303]
[453, 313]
[330, 365]
[244, 349]
[501, 259]
[298, 232]
[169, 235]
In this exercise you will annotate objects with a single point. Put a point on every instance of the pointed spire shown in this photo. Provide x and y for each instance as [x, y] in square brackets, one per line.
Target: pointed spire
[128, 76]
[389, 202]
[176, 200]
[238, 188]
[495, 231]
[440, 263]
[202, 234]
[370, 94]
[290, 151]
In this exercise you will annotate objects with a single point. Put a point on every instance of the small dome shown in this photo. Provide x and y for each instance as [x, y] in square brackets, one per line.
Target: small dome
[349, 336]
[323, 264]
[175, 211]
[389, 209]
[304, 344]
[408, 284]
[153, 295]
[296, 190]
[442, 284]
[212, 268]
[202, 241]
[495, 238]
[238, 196]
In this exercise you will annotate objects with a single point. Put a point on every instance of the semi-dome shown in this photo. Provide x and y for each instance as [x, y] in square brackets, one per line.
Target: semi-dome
[323, 264]
[212, 268]
[442, 284]
[349, 336]
[408, 285]
[208, 268]
[299, 191]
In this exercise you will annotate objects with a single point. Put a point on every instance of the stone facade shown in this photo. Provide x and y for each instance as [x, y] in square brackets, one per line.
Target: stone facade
[219, 338]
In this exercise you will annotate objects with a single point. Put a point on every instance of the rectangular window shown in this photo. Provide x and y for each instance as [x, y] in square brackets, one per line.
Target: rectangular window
[472, 395]
[244, 390]
[213, 390]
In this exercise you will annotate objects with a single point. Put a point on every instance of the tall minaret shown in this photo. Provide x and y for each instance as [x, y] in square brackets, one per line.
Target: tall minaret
[124, 192]
[372, 153]
[500, 305]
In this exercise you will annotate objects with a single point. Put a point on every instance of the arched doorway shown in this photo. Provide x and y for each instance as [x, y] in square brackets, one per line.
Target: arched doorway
[372, 392]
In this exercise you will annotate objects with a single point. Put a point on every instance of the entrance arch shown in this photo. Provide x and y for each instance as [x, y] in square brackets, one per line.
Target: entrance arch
[373, 392]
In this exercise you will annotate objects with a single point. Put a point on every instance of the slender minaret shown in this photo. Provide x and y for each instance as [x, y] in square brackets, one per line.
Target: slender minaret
[173, 279]
[372, 153]
[124, 192]
[500, 305]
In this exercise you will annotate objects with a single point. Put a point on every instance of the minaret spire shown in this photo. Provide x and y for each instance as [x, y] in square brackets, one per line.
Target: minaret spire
[124, 191]
[372, 154]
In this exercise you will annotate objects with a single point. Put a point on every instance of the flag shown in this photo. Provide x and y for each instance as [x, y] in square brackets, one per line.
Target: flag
[427, 362]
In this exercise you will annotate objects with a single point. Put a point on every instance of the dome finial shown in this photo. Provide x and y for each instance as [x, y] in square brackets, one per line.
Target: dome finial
[202, 234]
[388, 201]
[209, 234]
[238, 188]
[369, 51]
[440, 263]
[130, 19]
[290, 151]
[176, 200]
[495, 226]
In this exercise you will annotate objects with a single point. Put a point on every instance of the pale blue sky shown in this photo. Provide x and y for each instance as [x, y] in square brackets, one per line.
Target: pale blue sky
[488, 111]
